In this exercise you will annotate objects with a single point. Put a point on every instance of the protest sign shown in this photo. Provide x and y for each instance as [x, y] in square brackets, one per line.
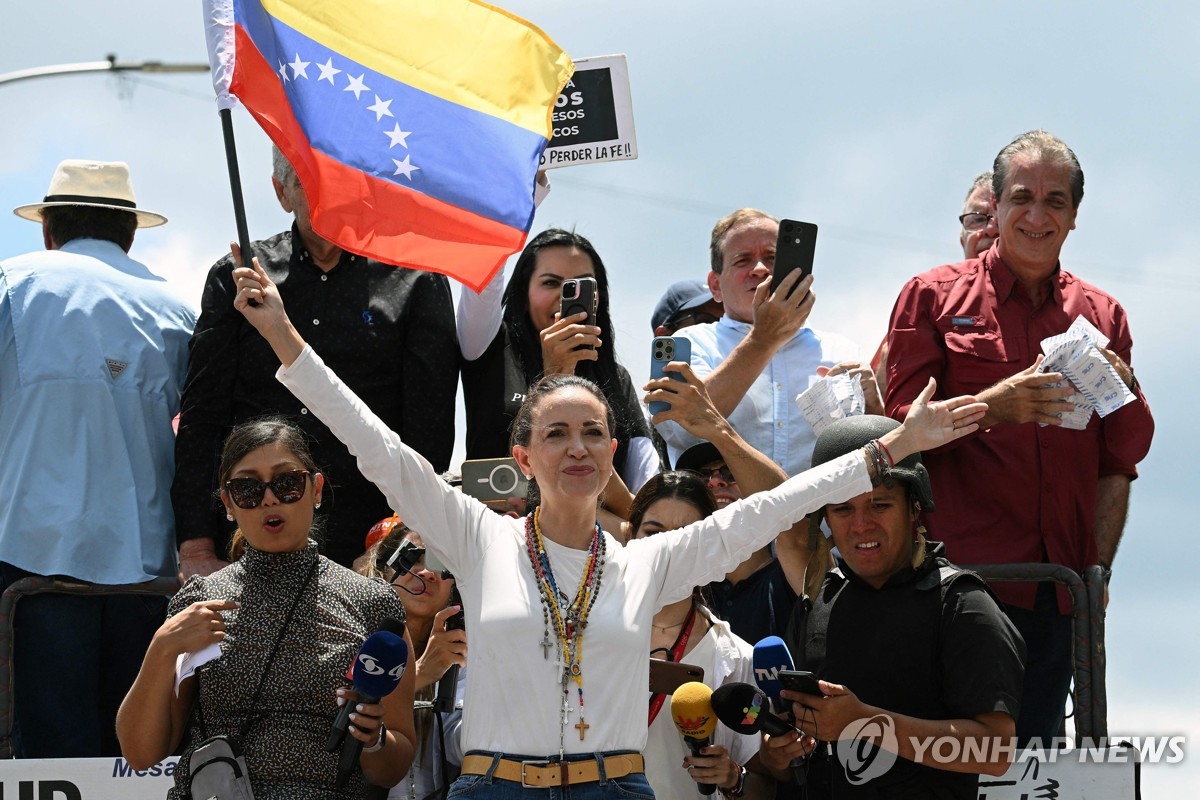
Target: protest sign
[593, 117]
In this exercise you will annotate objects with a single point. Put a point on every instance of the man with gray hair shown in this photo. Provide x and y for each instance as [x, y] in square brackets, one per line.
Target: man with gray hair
[978, 218]
[1023, 489]
[387, 331]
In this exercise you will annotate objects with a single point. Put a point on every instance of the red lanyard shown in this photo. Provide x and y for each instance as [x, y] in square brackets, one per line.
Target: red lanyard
[677, 651]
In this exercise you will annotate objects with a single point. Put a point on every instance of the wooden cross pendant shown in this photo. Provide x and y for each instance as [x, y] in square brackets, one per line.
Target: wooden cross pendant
[546, 645]
[582, 727]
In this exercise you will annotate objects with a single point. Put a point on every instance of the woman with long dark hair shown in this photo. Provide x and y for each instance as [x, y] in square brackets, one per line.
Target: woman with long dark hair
[532, 342]
[558, 613]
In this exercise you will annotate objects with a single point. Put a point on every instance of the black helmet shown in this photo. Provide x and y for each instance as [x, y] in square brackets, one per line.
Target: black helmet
[853, 433]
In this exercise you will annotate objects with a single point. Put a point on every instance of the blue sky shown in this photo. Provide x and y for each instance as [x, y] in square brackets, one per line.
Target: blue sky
[868, 119]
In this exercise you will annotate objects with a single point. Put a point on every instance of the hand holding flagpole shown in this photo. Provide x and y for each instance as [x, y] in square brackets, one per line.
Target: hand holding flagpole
[259, 301]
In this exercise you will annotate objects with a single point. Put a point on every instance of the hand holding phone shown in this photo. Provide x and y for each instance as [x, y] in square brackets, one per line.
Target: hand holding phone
[797, 681]
[795, 249]
[580, 295]
[664, 350]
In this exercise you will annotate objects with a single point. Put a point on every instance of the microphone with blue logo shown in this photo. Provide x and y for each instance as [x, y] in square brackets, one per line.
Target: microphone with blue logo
[770, 656]
[377, 670]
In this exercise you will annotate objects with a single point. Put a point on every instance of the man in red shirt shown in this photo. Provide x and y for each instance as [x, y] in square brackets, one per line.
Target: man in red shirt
[1022, 489]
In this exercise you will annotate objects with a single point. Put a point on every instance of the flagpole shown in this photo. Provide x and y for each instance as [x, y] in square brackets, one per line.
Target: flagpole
[235, 185]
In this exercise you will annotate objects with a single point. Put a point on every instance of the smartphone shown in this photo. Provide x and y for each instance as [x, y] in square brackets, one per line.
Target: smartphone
[794, 250]
[664, 350]
[667, 676]
[795, 681]
[493, 480]
[580, 294]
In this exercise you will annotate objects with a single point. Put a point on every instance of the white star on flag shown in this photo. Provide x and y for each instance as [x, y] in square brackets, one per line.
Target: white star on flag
[404, 167]
[380, 108]
[357, 86]
[397, 136]
[283, 72]
[299, 68]
[327, 71]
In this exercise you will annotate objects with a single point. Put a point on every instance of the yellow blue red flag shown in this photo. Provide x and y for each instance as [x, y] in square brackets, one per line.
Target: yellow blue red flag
[415, 126]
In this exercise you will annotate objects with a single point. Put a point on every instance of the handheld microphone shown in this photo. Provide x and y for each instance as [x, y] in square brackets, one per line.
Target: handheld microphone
[744, 708]
[770, 656]
[692, 710]
[376, 672]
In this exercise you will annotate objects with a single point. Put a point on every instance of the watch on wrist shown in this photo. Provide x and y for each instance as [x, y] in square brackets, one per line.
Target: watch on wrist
[740, 787]
[379, 744]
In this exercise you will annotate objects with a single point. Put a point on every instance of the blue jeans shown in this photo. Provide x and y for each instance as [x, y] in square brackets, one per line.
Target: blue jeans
[630, 787]
[1049, 666]
[74, 659]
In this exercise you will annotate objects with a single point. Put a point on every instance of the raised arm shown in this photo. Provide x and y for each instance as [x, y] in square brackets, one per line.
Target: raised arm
[706, 550]
[777, 317]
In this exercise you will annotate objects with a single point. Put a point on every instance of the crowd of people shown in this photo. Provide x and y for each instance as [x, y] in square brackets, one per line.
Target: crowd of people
[314, 397]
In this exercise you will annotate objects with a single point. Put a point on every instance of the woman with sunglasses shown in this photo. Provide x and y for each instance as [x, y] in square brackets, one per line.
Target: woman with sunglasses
[559, 613]
[288, 623]
[687, 631]
[439, 643]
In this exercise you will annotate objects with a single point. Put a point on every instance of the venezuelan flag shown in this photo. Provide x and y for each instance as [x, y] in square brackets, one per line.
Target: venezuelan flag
[415, 126]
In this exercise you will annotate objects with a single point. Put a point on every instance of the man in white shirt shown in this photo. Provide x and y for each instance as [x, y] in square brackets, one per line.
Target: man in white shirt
[756, 359]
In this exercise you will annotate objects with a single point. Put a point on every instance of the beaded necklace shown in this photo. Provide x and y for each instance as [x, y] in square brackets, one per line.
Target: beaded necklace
[569, 619]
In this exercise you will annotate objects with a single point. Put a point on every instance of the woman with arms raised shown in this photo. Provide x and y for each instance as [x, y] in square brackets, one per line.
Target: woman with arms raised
[560, 615]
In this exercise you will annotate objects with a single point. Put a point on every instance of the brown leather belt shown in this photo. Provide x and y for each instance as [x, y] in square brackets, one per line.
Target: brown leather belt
[547, 774]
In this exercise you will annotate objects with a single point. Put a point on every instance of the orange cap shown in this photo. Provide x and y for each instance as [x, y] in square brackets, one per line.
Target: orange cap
[381, 529]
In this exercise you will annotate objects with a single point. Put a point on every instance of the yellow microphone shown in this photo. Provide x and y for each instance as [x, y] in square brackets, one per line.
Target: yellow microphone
[691, 708]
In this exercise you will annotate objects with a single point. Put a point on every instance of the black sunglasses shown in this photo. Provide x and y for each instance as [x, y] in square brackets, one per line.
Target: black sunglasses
[288, 487]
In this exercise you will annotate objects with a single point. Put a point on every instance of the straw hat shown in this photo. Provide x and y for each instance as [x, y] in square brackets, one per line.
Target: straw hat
[98, 184]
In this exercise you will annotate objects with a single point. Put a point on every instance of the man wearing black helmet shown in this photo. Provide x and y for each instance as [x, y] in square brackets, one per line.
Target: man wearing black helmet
[903, 639]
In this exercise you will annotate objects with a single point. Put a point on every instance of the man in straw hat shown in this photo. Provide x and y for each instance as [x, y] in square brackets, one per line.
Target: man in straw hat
[93, 348]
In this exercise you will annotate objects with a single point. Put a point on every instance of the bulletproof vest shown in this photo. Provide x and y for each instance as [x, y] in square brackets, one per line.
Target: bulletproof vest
[885, 644]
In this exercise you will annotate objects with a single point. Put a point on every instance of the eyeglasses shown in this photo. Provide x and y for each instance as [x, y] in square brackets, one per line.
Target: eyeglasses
[288, 487]
[721, 473]
[975, 221]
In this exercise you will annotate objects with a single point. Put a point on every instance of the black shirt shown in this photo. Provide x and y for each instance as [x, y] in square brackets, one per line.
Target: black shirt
[494, 388]
[757, 606]
[931, 643]
[387, 332]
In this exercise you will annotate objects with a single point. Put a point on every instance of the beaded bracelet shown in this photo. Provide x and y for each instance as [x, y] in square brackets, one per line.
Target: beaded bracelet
[876, 459]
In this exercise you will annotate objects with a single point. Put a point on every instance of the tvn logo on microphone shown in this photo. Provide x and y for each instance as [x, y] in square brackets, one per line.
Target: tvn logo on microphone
[368, 664]
[769, 673]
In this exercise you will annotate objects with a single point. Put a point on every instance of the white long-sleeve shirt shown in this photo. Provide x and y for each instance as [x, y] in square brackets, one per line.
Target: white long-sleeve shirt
[514, 695]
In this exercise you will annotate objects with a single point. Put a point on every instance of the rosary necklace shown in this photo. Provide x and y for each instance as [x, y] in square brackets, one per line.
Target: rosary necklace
[569, 619]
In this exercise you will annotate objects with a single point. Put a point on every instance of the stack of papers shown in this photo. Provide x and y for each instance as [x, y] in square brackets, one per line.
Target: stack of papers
[829, 399]
[1098, 387]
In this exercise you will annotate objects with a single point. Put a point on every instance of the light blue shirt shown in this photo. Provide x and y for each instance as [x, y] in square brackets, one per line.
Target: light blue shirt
[767, 416]
[93, 353]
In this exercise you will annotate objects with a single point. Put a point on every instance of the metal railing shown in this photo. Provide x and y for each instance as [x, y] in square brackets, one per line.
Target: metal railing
[41, 585]
[1087, 614]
